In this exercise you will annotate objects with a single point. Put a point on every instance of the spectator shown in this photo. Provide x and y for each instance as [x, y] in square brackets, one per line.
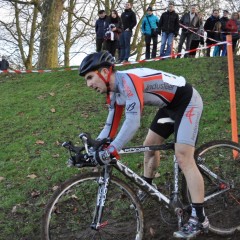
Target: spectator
[129, 21]
[190, 22]
[197, 38]
[208, 27]
[149, 29]
[100, 29]
[169, 26]
[4, 64]
[233, 26]
[224, 19]
[218, 38]
[113, 33]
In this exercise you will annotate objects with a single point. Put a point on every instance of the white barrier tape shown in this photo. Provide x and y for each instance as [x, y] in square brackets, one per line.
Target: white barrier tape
[119, 64]
[206, 30]
[190, 29]
[37, 71]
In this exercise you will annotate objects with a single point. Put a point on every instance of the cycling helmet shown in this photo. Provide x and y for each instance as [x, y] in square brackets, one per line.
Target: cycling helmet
[94, 61]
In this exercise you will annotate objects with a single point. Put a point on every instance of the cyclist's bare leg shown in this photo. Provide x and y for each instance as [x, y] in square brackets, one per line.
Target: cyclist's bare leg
[185, 157]
[198, 222]
[152, 159]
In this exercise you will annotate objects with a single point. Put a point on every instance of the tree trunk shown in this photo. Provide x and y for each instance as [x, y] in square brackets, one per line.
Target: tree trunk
[68, 43]
[51, 14]
[28, 62]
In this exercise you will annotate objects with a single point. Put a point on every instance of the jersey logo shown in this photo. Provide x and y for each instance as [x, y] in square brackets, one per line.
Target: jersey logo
[127, 89]
[189, 114]
[131, 106]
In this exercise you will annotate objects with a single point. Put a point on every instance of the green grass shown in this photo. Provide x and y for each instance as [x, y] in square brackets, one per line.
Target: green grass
[26, 119]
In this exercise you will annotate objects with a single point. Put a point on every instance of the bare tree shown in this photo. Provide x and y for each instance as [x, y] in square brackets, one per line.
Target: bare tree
[51, 15]
[20, 33]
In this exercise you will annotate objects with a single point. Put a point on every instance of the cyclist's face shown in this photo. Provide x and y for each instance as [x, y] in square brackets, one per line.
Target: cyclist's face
[95, 82]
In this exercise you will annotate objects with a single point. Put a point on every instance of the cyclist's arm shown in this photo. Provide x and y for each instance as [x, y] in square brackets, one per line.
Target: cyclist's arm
[134, 103]
[113, 119]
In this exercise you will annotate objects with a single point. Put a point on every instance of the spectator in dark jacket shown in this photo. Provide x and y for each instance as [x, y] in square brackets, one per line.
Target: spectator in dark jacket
[224, 19]
[114, 30]
[129, 21]
[233, 26]
[4, 65]
[218, 38]
[150, 21]
[189, 23]
[169, 26]
[100, 29]
[208, 27]
[197, 38]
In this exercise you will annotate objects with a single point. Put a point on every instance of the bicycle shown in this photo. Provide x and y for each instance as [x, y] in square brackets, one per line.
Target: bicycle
[101, 205]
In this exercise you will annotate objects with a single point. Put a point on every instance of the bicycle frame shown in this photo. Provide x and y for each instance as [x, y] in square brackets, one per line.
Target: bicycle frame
[223, 185]
[103, 182]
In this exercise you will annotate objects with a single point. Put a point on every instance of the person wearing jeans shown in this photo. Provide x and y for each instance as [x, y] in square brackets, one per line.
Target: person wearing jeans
[169, 26]
[190, 22]
[100, 29]
[129, 21]
[208, 27]
[166, 38]
[125, 39]
[224, 19]
[150, 21]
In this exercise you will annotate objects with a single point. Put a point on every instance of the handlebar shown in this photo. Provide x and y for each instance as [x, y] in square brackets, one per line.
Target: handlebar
[83, 156]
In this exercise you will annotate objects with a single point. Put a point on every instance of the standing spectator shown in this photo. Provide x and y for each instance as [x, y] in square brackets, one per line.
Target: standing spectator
[129, 21]
[4, 64]
[150, 21]
[208, 27]
[113, 33]
[224, 19]
[190, 22]
[197, 38]
[100, 29]
[233, 26]
[169, 26]
[218, 38]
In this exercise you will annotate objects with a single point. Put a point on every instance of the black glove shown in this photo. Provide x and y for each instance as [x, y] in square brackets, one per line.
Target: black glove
[159, 32]
[104, 157]
[175, 35]
[202, 41]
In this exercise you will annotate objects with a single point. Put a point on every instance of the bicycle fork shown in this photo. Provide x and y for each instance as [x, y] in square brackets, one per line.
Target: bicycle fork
[103, 183]
[175, 202]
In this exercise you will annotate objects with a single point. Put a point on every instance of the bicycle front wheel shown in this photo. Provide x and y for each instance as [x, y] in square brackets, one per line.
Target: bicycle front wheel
[222, 209]
[69, 213]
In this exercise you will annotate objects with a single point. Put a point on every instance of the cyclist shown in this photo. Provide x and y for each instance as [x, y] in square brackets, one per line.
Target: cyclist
[134, 88]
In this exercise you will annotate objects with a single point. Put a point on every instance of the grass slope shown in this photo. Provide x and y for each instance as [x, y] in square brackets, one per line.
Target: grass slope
[40, 111]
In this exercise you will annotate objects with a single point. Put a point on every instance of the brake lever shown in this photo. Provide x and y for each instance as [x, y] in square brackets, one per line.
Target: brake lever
[84, 138]
[69, 146]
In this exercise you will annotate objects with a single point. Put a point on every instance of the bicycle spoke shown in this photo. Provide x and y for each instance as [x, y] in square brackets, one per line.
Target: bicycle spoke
[223, 204]
[70, 212]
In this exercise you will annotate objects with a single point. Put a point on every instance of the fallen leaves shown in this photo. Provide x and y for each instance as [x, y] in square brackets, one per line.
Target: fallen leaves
[53, 110]
[40, 142]
[52, 94]
[54, 188]
[32, 176]
[152, 231]
[1, 179]
[35, 193]
[157, 175]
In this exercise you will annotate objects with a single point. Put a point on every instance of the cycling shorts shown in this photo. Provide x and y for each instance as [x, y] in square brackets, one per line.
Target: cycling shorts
[186, 118]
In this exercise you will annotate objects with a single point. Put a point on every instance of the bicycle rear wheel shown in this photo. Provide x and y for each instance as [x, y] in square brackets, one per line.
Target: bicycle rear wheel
[223, 210]
[69, 213]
